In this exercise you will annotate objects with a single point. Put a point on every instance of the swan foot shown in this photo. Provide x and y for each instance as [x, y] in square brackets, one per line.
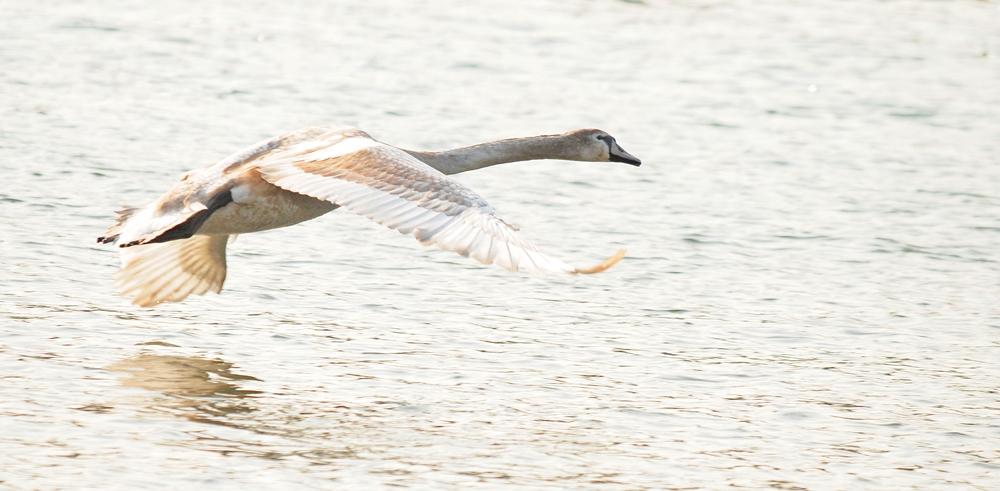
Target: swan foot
[603, 266]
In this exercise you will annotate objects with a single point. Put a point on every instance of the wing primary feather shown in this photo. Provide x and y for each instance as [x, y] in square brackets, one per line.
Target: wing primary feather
[411, 220]
[178, 269]
[393, 210]
[463, 241]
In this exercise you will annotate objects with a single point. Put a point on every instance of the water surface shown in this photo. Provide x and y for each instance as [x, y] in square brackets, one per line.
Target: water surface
[809, 301]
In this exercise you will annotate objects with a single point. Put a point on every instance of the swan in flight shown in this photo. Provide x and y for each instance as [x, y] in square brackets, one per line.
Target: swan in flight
[176, 246]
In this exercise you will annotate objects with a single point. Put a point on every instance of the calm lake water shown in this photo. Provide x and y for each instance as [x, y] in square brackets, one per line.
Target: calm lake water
[811, 297]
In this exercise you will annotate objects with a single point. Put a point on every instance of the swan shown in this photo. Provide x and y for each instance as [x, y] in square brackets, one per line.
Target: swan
[176, 246]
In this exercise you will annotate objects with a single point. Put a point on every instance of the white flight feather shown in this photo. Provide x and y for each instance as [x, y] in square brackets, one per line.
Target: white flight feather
[179, 268]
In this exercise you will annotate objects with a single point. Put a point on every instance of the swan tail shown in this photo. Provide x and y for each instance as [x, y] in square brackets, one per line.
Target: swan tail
[124, 214]
[171, 271]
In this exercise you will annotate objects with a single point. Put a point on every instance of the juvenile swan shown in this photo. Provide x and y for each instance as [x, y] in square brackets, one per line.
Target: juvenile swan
[176, 246]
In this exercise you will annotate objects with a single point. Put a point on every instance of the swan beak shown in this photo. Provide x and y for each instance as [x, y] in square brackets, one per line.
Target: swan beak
[618, 154]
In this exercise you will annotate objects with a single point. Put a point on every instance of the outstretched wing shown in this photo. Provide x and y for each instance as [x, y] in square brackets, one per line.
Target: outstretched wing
[170, 271]
[391, 187]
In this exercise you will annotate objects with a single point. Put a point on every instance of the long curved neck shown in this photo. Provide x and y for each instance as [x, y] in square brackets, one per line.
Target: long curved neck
[498, 152]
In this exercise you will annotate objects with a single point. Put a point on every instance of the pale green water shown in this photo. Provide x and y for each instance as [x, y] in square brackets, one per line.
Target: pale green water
[811, 297]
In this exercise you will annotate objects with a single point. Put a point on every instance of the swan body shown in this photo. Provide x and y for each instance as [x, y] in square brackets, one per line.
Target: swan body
[175, 246]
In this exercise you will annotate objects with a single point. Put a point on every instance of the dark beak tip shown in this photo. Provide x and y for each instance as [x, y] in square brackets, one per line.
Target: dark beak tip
[618, 154]
[630, 160]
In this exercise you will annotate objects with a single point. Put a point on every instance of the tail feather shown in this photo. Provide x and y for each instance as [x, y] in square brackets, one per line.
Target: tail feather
[171, 271]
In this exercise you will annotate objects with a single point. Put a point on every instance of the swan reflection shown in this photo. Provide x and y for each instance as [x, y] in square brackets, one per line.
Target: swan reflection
[197, 389]
[207, 391]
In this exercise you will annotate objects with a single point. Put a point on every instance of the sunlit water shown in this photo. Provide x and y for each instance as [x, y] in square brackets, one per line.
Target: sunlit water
[811, 298]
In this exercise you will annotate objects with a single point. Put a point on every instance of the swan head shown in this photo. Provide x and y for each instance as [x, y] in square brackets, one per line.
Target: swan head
[598, 146]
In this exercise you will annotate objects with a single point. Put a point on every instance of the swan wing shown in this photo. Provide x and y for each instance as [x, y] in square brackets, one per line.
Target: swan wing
[180, 211]
[170, 271]
[389, 186]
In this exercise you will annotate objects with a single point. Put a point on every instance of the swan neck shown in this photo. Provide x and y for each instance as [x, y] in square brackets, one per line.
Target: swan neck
[497, 152]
